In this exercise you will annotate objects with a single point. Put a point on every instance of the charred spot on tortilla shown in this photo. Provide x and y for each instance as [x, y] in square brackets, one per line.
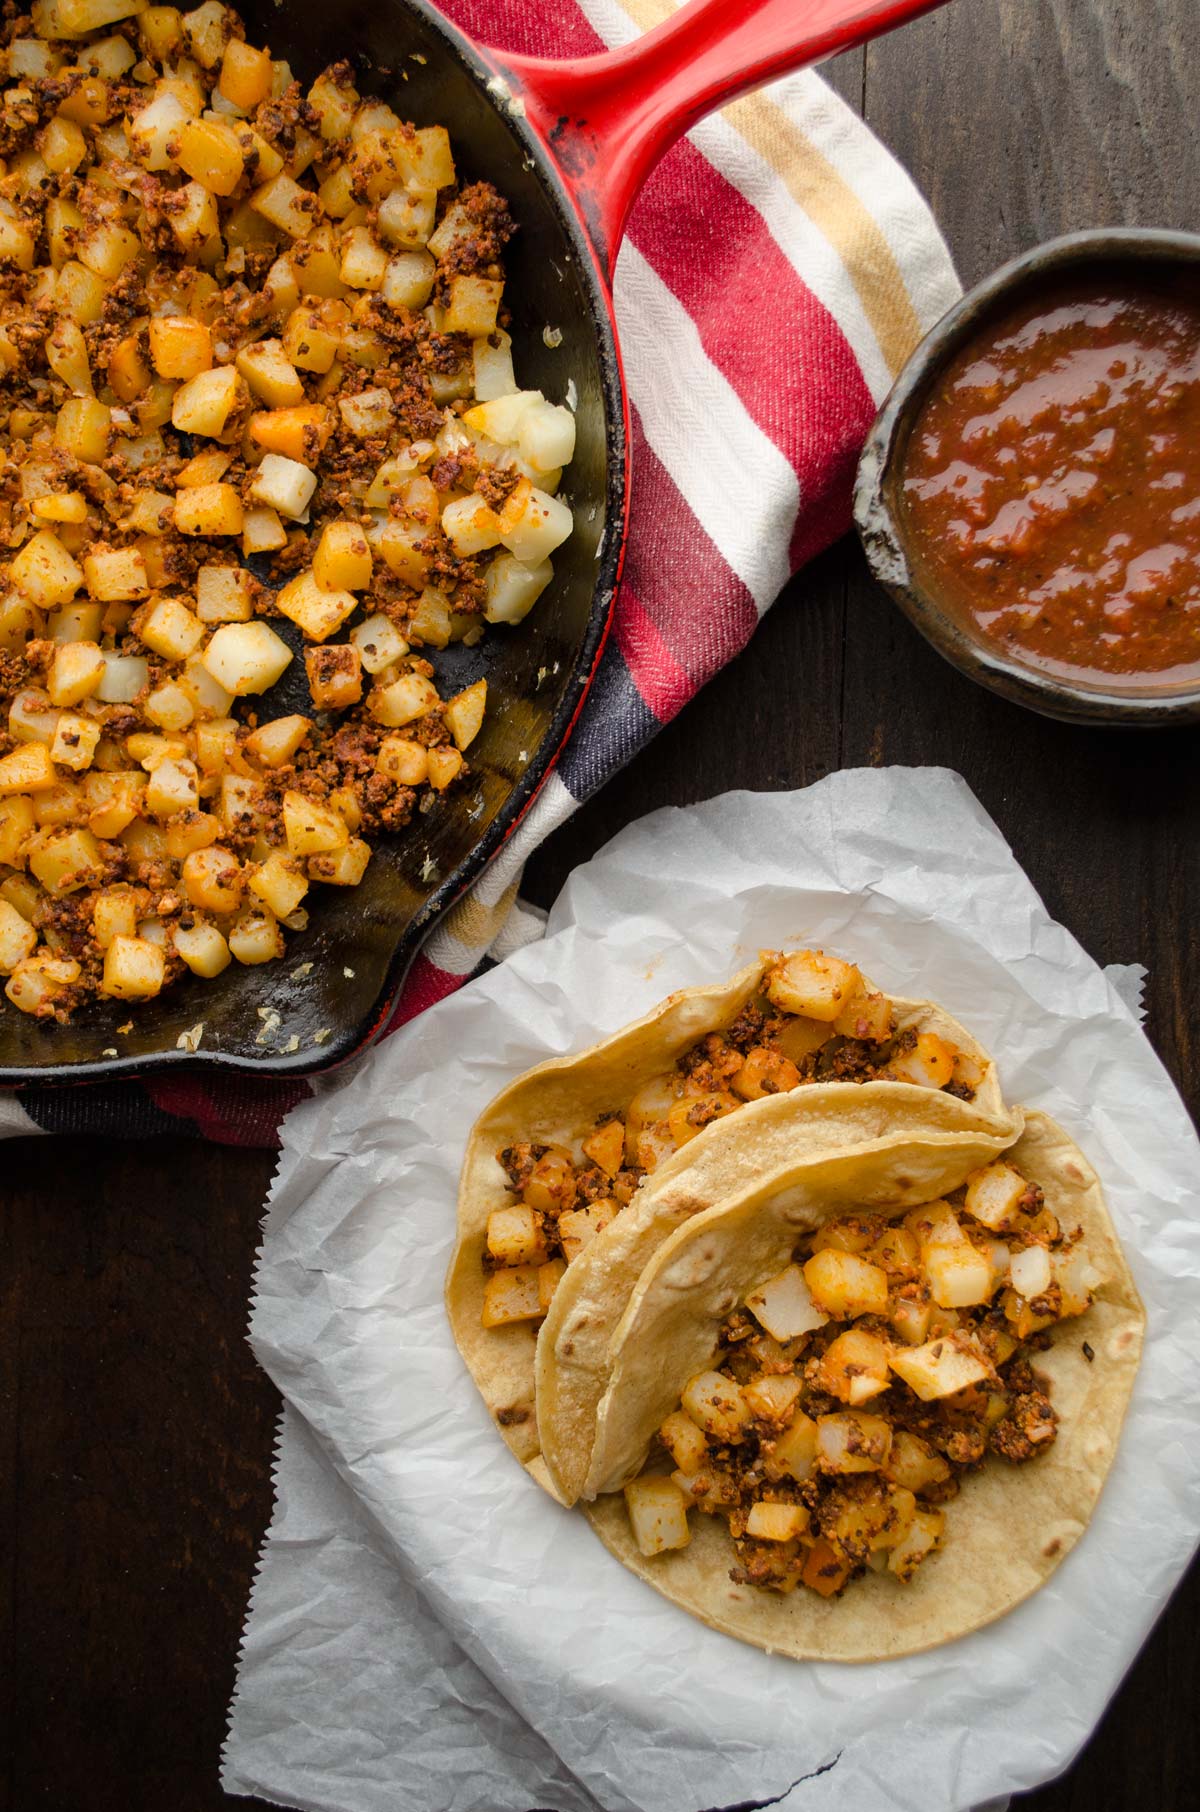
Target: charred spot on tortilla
[512, 1418]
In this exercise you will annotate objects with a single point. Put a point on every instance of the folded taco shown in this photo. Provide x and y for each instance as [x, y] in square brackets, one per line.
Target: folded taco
[581, 1167]
[845, 1434]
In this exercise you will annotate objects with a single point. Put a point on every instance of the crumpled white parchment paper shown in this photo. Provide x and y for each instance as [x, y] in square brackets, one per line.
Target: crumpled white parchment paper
[429, 1630]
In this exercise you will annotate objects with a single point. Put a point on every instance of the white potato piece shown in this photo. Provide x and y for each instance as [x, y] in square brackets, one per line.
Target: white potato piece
[246, 657]
[657, 1514]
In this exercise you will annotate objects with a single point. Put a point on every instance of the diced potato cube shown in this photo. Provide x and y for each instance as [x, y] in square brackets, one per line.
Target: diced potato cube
[929, 1064]
[343, 867]
[191, 830]
[684, 1442]
[205, 403]
[262, 531]
[245, 78]
[546, 436]
[75, 741]
[286, 205]
[17, 824]
[180, 347]
[203, 948]
[310, 827]
[402, 544]
[17, 238]
[152, 130]
[784, 1305]
[470, 525]
[45, 572]
[270, 374]
[605, 1147]
[224, 594]
[58, 804]
[334, 103]
[852, 1441]
[657, 1514]
[715, 1404]
[274, 744]
[209, 509]
[1031, 1272]
[959, 1275]
[515, 1236]
[80, 294]
[67, 356]
[511, 589]
[492, 358]
[940, 1367]
[134, 969]
[854, 1366]
[776, 1522]
[844, 1285]
[368, 414]
[313, 335]
[404, 701]
[279, 884]
[208, 31]
[364, 261]
[913, 1463]
[123, 678]
[342, 561]
[297, 435]
[500, 417]
[544, 524]
[445, 766]
[911, 1319]
[115, 799]
[404, 761]
[208, 150]
[921, 1538]
[578, 1227]
[471, 306]
[318, 613]
[406, 218]
[18, 939]
[994, 1196]
[284, 485]
[75, 673]
[408, 282]
[793, 1454]
[173, 787]
[64, 860]
[193, 217]
[334, 676]
[810, 983]
[82, 429]
[37, 982]
[212, 880]
[117, 575]
[169, 628]
[246, 657]
[511, 1294]
[772, 1398]
[256, 937]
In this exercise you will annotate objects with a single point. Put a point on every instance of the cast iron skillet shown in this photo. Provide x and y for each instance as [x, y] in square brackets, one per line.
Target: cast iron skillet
[568, 144]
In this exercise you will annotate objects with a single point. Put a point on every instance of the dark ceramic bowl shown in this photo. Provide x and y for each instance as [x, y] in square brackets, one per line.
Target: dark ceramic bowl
[1165, 259]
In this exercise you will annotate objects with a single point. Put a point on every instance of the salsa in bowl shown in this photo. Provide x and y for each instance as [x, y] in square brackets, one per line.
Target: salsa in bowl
[1030, 492]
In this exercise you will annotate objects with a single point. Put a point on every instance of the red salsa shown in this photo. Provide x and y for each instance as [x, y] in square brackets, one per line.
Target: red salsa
[1052, 484]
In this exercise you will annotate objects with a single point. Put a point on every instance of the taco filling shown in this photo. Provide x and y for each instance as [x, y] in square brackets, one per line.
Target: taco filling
[850, 1393]
[815, 1019]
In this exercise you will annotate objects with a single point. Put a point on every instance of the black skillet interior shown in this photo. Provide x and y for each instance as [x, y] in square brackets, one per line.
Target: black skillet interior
[332, 990]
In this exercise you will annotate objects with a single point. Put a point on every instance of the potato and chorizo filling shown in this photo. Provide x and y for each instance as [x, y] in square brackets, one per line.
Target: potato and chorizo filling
[852, 1392]
[254, 375]
[816, 1020]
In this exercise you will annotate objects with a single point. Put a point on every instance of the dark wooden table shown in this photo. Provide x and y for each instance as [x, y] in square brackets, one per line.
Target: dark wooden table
[135, 1429]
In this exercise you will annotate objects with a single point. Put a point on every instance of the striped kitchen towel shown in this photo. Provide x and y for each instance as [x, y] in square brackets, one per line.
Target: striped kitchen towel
[782, 212]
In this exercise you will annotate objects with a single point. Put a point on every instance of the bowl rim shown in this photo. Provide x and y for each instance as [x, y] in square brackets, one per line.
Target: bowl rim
[876, 520]
[351, 1040]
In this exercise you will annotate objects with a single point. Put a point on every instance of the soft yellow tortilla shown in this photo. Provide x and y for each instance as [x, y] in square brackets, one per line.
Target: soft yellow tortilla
[1009, 1527]
[559, 1102]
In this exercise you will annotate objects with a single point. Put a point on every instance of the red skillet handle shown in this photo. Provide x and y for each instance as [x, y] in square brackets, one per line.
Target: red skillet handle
[607, 119]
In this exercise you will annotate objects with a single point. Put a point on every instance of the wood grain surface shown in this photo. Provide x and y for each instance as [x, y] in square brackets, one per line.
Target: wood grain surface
[135, 1430]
